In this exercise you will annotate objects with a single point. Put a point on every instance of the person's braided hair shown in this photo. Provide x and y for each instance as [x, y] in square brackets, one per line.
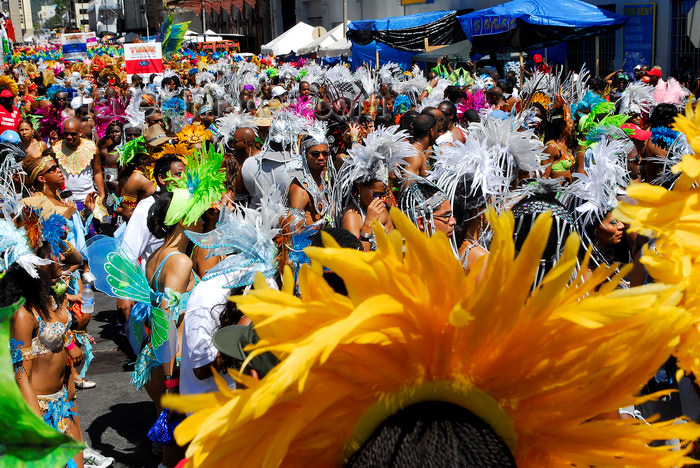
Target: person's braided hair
[433, 434]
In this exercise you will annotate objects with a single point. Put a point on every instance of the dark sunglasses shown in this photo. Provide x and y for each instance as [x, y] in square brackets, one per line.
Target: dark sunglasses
[316, 154]
[71, 133]
[52, 169]
[379, 194]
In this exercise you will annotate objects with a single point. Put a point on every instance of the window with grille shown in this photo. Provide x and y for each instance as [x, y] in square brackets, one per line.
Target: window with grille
[582, 50]
[682, 47]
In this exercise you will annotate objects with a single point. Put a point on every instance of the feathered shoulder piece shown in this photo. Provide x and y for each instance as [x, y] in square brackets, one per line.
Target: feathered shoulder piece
[11, 157]
[201, 185]
[637, 98]
[247, 238]
[129, 150]
[14, 248]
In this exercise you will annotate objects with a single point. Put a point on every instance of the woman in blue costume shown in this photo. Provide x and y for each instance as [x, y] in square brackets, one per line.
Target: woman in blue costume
[43, 347]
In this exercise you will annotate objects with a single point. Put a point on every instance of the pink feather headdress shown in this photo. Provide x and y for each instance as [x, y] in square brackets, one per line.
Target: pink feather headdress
[107, 112]
[46, 119]
[671, 92]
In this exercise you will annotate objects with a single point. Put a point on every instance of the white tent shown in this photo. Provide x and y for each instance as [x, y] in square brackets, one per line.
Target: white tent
[331, 44]
[194, 36]
[289, 41]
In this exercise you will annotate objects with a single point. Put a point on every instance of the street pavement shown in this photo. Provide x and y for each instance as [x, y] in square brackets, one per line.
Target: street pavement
[114, 416]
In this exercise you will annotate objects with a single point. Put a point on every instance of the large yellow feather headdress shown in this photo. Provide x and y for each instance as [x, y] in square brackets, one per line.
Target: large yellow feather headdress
[8, 83]
[673, 218]
[537, 366]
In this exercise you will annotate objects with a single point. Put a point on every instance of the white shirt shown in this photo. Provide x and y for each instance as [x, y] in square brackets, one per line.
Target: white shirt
[137, 237]
[207, 301]
[271, 170]
[81, 184]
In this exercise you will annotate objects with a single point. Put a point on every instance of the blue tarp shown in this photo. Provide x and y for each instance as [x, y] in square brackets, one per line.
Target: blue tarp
[367, 54]
[528, 24]
[397, 22]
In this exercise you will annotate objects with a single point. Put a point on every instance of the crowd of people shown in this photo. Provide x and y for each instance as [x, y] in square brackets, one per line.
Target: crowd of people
[222, 178]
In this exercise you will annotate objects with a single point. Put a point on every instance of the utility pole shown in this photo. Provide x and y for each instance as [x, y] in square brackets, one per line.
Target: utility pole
[204, 23]
[145, 17]
[345, 19]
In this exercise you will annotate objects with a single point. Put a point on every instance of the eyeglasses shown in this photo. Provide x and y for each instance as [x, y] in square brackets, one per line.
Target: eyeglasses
[61, 99]
[316, 154]
[155, 121]
[70, 133]
[444, 217]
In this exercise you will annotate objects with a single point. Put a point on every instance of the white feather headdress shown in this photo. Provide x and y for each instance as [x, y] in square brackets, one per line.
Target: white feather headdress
[14, 248]
[383, 152]
[229, 123]
[474, 160]
[516, 149]
[637, 98]
[593, 195]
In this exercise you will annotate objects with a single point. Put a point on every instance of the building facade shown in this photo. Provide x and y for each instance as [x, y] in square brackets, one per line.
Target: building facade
[20, 12]
[656, 29]
[103, 16]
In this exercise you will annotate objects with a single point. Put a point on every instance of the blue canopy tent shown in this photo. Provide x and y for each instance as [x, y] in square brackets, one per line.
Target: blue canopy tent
[398, 38]
[522, 25]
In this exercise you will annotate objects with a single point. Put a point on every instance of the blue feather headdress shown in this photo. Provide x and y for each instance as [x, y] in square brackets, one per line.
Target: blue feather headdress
[54, 230]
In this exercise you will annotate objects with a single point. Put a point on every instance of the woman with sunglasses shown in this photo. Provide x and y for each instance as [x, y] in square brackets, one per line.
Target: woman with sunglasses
[309, 190]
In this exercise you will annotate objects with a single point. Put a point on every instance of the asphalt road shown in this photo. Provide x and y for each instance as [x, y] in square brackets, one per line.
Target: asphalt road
[114, 416]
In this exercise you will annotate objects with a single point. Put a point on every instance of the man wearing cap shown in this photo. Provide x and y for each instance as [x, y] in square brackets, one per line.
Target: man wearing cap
[654, 76]
[541, 65]
[10, 116]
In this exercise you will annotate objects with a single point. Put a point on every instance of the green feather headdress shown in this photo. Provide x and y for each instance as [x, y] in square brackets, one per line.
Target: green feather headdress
[201, 185]
[129, 150]
[591, 119]
[610, 125]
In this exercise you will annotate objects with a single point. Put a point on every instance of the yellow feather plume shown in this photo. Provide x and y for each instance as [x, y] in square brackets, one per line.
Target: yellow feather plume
[672, 217]
[537, 366]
